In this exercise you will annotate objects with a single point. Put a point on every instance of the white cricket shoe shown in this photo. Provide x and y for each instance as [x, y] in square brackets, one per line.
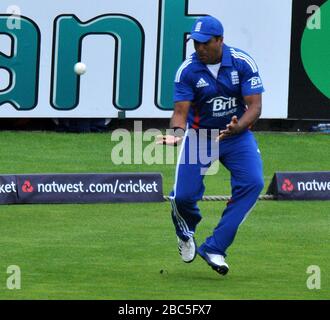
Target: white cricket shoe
[187, 249]
[216, 261]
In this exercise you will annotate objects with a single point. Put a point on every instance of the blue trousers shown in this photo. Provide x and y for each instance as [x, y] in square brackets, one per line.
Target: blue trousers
[241, 156]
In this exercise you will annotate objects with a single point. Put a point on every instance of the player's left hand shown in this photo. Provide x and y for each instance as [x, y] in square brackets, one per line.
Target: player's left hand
[232, 128]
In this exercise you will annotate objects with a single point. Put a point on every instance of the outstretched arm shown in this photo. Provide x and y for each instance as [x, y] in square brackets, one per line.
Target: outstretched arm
[178, 124]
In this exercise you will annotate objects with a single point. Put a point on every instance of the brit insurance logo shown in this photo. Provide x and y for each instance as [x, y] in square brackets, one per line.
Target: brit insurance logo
[223, 103]
[255, 82]
[287, 186]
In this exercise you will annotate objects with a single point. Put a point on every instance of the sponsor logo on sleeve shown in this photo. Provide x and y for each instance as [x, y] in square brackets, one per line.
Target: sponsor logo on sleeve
[255, 82]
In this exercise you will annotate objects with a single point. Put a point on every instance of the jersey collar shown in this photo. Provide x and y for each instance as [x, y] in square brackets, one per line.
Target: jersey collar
[226, 56]
[226, 59]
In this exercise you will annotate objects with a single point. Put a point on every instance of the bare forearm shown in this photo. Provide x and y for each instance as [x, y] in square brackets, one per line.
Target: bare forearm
[178, 122]
[250, 117]
[253, 112]
[179, 117]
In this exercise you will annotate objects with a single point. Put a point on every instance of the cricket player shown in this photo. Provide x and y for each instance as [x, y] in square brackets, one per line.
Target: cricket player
[217, 87]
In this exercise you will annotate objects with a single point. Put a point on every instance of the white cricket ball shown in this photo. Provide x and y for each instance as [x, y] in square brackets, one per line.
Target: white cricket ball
[79, 68]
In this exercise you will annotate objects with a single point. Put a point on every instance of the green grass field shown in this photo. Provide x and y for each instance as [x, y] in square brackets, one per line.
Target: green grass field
[129, 251]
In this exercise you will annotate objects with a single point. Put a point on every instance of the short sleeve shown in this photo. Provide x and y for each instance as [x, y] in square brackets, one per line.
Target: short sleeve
[251, 82]
[183, 90]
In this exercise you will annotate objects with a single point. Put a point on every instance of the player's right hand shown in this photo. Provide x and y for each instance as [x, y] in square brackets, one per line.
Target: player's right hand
[168, 140]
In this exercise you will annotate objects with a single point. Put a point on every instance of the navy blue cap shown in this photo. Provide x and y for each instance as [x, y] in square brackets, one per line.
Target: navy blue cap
[205, 28]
